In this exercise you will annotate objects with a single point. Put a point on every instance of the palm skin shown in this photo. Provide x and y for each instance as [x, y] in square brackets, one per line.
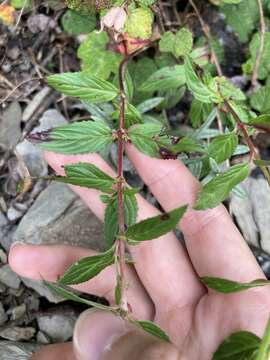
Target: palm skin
[164, 284]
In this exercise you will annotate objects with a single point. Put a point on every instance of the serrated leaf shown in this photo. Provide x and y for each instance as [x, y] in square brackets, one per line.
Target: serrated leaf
[200, 91]
[75, 23]
[86, 175]
[149, 104]
[146, 139]
[111, 227]
[87, 268]
[187, 144]
[179, 44]
[83, 86]
[218, 189]
[154, 227]
[261, 122]
[139, 23]
[70, 295]
[153, 329]
[183, 42]
[226, 286]
[222, 147]
[78, 138]
[95, 58]
[260, 99]
[240, 345]
[167, 78]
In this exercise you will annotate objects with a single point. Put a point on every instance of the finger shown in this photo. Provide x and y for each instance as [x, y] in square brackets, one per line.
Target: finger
[215, 246]
[164, 256]
[100, 335]
[51, 261]
[55, 352]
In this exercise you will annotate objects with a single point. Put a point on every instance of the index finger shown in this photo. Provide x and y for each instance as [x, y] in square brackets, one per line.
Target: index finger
[214, 244]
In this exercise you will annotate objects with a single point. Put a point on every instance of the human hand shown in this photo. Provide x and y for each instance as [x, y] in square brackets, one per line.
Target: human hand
[164, 282]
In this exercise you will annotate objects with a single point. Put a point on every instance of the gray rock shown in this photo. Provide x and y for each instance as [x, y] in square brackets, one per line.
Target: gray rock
[35, 103]
[10, 350]
[50, 118]
[31, 154]
[16, 333]
[58, 217]
[58, 327]
[33, 158]
[10, 125]
[42, 338]
[9, 278]
[17, 312]
[40, 22]
[3, 315]
[3, 257]
[253, 214]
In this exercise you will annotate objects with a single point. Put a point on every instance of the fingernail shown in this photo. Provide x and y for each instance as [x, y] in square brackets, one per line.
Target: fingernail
[15, 243]
[95, 332]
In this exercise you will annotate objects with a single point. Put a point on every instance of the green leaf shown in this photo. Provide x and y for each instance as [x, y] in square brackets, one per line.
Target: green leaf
[183, 42]
[111, 227]
[199, 112]
[179, 44]
[260, 100]
[242, 18]
[87, 268]
[133, 115]
[95, 58]
[139, 23]
[264, 349]
[228, 286]
[187, 144]
[153, 329]
[264, 68]
[200, 90]
[79, 138]
[83, 86]
[261, 122]
[86, 175]
[240, 345]
[75, 23]
[154, 227]
[222, 147]
[149, 104]
[218, 189]
[148, 139]
[167, 78]
[70, 295]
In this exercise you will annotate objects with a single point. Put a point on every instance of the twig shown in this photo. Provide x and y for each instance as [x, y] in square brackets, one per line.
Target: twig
[253, 152]
[20, 16]
[207, 33]
[254, 79]
[16, 87]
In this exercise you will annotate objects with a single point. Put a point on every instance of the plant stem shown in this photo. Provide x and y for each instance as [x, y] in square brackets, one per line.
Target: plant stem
[264, 347]
[253, 152]
[254, 79]
[120, 244]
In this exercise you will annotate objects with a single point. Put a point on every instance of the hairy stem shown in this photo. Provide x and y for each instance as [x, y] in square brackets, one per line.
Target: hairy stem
[254, 79]
[120, 245]
[253, 152]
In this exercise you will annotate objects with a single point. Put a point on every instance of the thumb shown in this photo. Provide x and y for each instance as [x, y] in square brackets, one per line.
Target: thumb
[103, 336]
